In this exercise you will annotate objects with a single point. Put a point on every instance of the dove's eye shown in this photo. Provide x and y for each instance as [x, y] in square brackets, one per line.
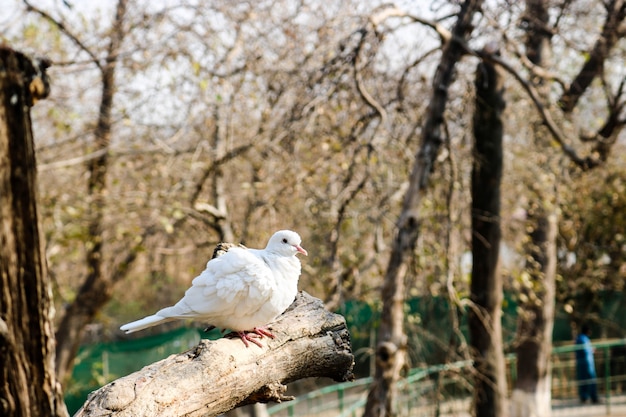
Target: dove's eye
[285, 240]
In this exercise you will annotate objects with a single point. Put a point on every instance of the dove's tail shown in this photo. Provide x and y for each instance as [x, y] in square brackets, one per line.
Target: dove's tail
[144, 323]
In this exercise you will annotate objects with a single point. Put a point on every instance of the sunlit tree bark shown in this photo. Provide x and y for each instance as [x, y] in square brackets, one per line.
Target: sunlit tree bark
[28, 385]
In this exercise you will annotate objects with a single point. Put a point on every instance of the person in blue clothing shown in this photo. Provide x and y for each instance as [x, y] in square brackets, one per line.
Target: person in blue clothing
[585, 367]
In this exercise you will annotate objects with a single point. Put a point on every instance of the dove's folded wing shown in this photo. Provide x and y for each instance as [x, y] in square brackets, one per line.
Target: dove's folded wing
[236, 283]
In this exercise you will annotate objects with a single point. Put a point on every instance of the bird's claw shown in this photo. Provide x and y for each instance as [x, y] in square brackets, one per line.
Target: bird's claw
[250, 337]
[253, 335]
[263, 331]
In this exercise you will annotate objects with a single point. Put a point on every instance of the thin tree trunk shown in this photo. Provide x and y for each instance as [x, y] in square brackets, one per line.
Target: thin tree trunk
[391, 349]
[28, 386]
[486, 286]
[532, 394]
[219, 187]
[98, 286]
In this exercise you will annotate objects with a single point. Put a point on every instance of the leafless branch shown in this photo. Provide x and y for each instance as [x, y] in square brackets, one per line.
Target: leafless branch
[66, 31]
[393, 11]
[369, 99]
[584, 163]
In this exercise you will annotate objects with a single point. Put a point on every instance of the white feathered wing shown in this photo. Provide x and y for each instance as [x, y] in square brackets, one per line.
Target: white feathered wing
[233, 292]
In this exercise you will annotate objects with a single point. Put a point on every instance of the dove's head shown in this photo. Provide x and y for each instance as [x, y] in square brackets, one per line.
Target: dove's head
[285, 243]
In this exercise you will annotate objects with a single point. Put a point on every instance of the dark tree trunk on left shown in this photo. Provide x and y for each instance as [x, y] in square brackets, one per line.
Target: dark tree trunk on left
[486, 286]
[28, 386]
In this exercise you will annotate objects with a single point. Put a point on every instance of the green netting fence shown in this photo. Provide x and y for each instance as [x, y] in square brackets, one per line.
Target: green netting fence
[445, 389]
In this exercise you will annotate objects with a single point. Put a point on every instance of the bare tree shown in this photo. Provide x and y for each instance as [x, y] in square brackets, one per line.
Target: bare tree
[391, 349]
[532, 391]
[28, 384]
[485, 314]
[97, 286]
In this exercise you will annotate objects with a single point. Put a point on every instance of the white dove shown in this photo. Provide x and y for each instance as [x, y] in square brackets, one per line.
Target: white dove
[242, 290]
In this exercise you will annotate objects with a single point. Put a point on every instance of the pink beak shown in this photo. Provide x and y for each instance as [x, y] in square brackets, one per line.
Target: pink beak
[301, 250]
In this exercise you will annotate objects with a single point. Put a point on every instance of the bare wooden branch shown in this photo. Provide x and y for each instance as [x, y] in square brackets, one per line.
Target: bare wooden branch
[387, 12]
[217, 376]
[63, 28]
[593, 66]
[584, 163]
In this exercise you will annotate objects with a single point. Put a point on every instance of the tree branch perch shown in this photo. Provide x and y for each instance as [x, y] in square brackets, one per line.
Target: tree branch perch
[217, 376]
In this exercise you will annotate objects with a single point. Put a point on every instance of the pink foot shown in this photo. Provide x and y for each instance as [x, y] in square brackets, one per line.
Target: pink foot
[250, 337]
[263, 331]
[253, 335]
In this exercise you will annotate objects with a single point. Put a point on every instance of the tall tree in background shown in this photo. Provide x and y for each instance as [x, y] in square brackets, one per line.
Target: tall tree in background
[486, 286]
[392, 341]
[28, 384]
[532, 391]
[97, 287]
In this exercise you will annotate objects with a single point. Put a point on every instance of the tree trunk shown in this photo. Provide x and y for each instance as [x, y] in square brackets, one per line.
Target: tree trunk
[391, 349]
[28, 386]
[486, 286]
[532, 395]
[217, 376]
[98, 286]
